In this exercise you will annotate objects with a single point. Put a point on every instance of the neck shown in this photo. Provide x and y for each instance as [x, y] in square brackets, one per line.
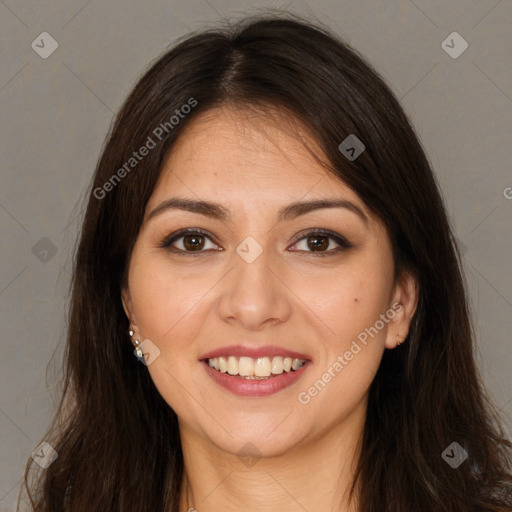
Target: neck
[316, 475]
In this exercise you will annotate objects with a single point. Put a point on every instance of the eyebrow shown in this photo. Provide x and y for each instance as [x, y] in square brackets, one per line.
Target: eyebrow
[290, 212]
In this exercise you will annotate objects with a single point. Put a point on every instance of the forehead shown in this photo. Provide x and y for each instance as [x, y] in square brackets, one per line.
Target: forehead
[229, 155]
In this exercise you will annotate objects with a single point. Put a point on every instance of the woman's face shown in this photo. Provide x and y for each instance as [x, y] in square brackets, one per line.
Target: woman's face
[261, 288]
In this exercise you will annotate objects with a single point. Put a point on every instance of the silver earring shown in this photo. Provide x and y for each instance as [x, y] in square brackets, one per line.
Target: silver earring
[138, 350]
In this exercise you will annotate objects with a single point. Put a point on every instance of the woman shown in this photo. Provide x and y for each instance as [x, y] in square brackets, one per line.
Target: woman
[268, 309]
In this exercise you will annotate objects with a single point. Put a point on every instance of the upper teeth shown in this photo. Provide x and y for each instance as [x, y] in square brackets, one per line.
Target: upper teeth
[260, 367]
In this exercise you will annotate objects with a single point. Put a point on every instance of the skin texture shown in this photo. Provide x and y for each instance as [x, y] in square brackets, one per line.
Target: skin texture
[313, 304]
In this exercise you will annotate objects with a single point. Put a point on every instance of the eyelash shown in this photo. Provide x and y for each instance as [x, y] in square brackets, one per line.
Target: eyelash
[341, 241]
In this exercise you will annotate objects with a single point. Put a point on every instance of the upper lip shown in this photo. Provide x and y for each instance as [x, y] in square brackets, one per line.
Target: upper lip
[254, 352]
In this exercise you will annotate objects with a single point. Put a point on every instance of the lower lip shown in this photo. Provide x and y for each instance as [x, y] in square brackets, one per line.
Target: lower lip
[255, 387]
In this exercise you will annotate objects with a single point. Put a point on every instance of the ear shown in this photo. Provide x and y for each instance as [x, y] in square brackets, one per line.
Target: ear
[128, 308]
[404, 303]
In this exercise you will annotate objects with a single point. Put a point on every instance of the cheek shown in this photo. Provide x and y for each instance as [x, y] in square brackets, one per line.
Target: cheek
[166, 306]
[163, 298]
[347, 302]
[350, 303]
[359, 318]
[350, 356]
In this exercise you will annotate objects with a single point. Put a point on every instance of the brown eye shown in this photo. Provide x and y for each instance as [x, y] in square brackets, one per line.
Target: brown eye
[193, 242]
[188, 241]
[318, 242]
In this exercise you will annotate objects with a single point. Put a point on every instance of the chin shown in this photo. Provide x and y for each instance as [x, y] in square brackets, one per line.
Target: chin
[258, 441]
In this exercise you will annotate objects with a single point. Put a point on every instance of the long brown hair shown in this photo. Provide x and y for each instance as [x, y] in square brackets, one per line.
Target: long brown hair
[118, 441]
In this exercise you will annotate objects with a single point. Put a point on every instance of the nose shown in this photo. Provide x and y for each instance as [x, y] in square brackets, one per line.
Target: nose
[255, 294]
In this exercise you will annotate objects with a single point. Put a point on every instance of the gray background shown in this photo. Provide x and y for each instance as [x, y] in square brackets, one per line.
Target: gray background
[55, 114]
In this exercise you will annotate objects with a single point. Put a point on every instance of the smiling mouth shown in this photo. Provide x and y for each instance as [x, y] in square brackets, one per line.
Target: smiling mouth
[255, 368]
